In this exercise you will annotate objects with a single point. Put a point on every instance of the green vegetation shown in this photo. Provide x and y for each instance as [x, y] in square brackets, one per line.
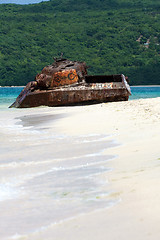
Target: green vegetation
[111, 36]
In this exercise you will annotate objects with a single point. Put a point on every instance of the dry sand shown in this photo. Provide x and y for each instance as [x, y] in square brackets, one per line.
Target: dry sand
[135, 178]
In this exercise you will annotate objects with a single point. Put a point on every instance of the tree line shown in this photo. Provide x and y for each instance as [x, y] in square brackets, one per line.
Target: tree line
[112, 37]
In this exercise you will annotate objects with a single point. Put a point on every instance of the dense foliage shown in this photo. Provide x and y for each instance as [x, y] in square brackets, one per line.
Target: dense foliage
[111, 36]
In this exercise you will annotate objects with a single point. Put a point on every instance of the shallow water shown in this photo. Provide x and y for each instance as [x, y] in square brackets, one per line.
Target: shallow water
[46, 177]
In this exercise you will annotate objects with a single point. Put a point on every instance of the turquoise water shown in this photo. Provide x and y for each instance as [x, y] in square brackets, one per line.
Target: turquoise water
[9, 94]
[145, 92]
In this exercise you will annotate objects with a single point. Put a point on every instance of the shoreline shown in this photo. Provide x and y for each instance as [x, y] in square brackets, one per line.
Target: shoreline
[135, 176]
[47, 174]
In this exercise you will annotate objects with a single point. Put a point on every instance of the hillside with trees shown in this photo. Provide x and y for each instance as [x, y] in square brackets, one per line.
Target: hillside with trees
[111, 36]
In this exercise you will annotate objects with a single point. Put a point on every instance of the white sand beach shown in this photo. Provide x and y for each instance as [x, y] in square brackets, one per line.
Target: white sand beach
[135, 178]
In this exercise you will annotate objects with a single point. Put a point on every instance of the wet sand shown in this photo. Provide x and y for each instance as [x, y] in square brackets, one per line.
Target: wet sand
[135, 178]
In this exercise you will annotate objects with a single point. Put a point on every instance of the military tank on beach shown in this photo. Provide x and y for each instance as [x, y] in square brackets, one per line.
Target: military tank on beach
[66, 82]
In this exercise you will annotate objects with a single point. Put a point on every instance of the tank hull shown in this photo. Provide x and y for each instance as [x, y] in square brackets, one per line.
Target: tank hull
[88, 93]
[55, 98]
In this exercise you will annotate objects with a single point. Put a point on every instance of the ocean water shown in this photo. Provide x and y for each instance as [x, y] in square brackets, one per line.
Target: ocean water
[144, 92]
[47, 177]
[8, 95]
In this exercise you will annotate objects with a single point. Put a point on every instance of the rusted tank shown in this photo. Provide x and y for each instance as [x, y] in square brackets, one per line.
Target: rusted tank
[66, 82]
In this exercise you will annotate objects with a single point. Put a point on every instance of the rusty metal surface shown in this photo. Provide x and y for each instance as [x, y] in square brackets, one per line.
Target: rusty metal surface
[66, 82]
[61, 72]
[65, 77]
[76, 95]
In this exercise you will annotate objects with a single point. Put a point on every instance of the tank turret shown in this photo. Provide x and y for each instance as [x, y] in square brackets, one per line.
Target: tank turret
[61, 72]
